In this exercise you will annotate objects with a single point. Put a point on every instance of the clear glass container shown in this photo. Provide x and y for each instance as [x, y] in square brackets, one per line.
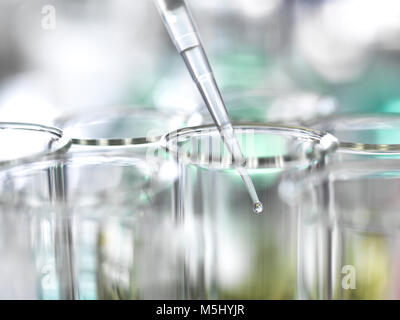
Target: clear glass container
[242, 255]
[120, 126]
[24, 142]
[90, 226]
[349, 230]
[362, 136]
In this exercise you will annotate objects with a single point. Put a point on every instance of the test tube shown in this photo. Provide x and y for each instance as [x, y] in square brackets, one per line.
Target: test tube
[349, 230]
[119, 126]
[243, 256]
[25, 142]
[22, 143]
[89, 225]
[132, 129]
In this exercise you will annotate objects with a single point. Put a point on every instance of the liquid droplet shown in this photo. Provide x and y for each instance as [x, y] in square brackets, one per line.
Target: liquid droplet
[258, 207]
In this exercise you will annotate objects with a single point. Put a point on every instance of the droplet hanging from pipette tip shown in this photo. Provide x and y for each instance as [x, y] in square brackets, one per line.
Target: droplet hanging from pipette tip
[258, 207]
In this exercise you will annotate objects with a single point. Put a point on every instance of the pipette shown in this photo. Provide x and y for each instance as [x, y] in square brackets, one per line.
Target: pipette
[179, 23]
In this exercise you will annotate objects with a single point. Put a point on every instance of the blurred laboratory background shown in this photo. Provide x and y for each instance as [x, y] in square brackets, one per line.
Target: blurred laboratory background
[58, 56]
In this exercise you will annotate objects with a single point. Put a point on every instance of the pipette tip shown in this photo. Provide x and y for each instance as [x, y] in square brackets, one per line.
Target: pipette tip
[258, 207]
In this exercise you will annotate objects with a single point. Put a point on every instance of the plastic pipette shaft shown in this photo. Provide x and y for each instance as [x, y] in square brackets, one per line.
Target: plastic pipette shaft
[182, 31]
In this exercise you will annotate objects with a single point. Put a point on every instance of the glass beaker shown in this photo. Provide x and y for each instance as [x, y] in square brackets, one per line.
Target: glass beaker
[349, 232]
[24, 142]
[362, 136]
[120, 126]
[243, 255]
[89, 226]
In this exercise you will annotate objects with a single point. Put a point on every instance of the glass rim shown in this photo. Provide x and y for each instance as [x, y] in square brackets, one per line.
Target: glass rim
[357, 147]
[77, 118]
[153, 182]
[64, 142]
[81, 158]
[326, 143]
